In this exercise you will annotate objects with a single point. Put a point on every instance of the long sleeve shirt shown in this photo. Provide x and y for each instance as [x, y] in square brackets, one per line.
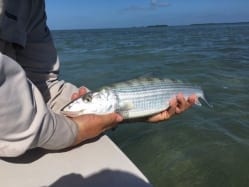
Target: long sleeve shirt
[31, 94]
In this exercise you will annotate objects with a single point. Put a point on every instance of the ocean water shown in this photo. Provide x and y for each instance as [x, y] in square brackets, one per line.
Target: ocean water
[201, 147]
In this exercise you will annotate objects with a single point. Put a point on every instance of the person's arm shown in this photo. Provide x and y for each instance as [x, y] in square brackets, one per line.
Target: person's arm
[27, 122]
[26, 38]
[41, 65]
[91, 126]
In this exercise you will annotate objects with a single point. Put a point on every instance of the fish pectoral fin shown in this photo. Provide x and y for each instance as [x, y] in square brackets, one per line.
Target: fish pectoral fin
[128, 105]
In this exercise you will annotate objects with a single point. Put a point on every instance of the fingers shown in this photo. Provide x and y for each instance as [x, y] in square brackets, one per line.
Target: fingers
[82, 91]
[108, 120]
[74, 96]
[165, 114]
[192, 99]
[183, 104]
[177, 105]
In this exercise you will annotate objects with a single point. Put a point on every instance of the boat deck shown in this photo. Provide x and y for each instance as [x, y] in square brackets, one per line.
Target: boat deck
[99, 163]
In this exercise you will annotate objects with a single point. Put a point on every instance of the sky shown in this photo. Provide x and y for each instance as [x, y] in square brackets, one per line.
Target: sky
[86, 14]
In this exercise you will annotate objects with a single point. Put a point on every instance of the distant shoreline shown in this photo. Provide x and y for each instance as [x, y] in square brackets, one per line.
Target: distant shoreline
[159, 26]
[156, 26]
[231, 23]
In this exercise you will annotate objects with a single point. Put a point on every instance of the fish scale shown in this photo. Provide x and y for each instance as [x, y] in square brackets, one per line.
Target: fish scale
[132, 99]
[147, 99]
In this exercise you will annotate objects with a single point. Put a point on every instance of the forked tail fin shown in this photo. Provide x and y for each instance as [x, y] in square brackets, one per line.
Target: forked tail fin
[202, 99]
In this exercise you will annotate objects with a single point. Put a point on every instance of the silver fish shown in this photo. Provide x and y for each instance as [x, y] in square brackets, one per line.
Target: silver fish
[132, 99]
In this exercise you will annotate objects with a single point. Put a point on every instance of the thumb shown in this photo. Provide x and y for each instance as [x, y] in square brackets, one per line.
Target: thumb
[91, 125]
[108, 119]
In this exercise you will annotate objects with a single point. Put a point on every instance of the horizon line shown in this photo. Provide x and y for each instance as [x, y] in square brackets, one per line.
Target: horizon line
[155, 25]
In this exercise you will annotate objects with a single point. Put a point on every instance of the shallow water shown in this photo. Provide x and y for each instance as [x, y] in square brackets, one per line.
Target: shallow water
[201, 147]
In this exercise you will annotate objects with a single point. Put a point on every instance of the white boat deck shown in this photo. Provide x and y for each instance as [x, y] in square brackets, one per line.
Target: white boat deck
[97, 164]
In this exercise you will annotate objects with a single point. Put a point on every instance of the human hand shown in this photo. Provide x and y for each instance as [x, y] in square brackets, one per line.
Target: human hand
[91, 125]
[177, 105]
[82, 91]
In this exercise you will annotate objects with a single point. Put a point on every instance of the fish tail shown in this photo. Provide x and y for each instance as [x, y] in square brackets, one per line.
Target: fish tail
[202, 99]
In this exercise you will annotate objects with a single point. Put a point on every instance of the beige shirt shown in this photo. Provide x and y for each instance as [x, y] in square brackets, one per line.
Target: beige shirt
[31, 94]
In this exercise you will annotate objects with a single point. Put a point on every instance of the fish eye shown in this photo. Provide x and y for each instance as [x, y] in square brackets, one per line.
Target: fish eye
[87, 98]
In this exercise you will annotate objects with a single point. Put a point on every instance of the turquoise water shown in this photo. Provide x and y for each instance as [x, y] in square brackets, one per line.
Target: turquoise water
[201, 147]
